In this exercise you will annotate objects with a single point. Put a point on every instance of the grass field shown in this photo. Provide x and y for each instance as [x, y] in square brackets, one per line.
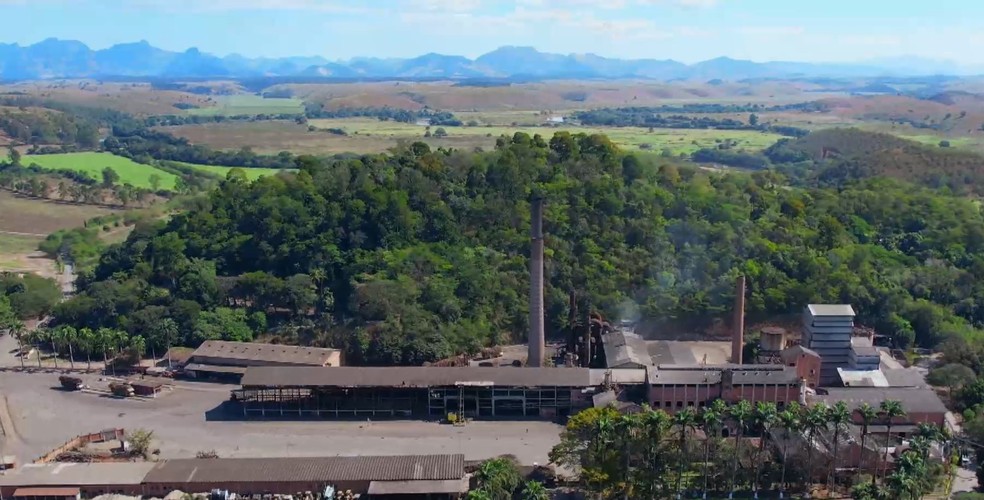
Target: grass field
[130, 172]
[374, 136]
[250, 105]
[251, 173]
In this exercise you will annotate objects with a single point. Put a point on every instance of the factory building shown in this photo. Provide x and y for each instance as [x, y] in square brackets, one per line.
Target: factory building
[425, 476]
[864, 355]
[922, 405]
[475, 392]
[74, 479]
[229, 360]
[673, 388]
[806, 361]
[827, 331]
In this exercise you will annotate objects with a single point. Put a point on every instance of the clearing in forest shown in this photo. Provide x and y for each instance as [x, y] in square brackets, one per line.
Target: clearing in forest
[250, 105]
[92, 164]
[251, 173]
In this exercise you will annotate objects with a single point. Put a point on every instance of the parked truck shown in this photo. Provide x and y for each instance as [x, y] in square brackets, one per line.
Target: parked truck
[121, 389]
[70, 383]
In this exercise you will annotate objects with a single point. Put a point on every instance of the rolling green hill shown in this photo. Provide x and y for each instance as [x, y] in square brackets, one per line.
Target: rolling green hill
[92, 164]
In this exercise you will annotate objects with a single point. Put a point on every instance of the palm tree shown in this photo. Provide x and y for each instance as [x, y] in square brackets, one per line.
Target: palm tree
[868, 415]
[138, 346]
[104, 339]
[685, 421]
[164, 334]
[789, 420]
[929, 434]
[88, 340]
[765, 417]
[838, 416]
[534, 490]
[815, 422]
[740, 413]
[17, 330]
[653, 426]
[499, 477]
[69, 336]
[626, 428]
[890, 410]
[710, 423]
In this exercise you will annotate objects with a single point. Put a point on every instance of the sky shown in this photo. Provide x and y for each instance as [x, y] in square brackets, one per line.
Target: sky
[685, 30]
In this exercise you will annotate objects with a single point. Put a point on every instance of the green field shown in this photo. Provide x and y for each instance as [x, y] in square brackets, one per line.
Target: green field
[250, 105]
[251, 173]
[628, 138]
[92, 164]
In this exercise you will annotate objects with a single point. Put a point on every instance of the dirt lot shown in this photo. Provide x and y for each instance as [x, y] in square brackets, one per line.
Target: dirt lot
[187, 420]
[31, 216]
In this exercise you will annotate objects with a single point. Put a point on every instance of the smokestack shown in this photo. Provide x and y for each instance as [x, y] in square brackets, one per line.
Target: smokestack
[536, 338]
[738, 336]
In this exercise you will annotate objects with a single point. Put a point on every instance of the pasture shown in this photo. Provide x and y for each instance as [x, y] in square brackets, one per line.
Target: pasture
[92, 164]
[25, 221]
[251, 173]
[369, 135]
[247, 104]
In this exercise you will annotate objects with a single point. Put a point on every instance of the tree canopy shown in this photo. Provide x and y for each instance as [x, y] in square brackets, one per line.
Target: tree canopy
[419, 254]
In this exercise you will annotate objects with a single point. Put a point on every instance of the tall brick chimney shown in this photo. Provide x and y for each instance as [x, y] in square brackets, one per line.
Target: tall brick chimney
[738, 333]
[536, 337]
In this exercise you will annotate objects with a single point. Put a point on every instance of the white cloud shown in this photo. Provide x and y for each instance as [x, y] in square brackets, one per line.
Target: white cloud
[770, 31]
[333, 6]
[448, 5]
[701, 4]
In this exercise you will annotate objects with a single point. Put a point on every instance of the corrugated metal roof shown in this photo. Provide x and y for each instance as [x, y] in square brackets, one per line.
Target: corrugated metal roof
[269, 353]
[786, 375]
[76, 474]
[313, 469]
[862, 378]
[904, 377]
[914, 400]
[202, 367]
[659, 376]
[830, 310]
[418, 487]
[622, 348]
[618, 375]
[46, 492]
[414, 376]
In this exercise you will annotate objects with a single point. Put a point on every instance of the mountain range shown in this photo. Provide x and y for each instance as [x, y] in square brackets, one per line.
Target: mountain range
[54, 58]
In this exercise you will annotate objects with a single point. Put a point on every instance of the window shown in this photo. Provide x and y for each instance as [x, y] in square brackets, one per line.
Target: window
[679, 404]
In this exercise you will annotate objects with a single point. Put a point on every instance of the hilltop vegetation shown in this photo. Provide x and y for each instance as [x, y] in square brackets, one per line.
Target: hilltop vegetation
[413, 256]
[838, 156]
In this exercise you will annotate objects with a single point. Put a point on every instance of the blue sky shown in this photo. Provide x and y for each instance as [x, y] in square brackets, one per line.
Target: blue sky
[686, 30]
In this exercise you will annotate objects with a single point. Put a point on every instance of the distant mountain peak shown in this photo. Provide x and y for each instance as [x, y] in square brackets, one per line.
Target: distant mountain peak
[56, 58]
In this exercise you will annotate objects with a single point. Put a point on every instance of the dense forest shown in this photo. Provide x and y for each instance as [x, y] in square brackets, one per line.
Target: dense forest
[414, 256]
[144, 146]
[833, 157]
[48, 127]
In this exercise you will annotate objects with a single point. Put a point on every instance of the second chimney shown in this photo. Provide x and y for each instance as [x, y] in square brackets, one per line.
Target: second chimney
[738, 336]
[536, 338]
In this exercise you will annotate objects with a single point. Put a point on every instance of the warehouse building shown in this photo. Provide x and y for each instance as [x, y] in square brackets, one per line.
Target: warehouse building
[674, 388]
[475, 392]
[229, 360]
[434, 476]
[921, 405]
[73, 479]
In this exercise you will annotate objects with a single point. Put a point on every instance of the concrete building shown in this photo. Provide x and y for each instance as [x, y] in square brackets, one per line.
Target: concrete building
[864, 356]
[673, 388]
[475, 392]
[85, 479]
[806, 362]
[440, 476]
[827, 331]
[221, 359]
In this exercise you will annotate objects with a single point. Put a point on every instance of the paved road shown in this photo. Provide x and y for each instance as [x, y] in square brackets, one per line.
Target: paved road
[966, 480]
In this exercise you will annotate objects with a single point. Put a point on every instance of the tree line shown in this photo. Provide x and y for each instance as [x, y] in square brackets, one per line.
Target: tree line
[653, 118]
[652, 454]
[434, 117]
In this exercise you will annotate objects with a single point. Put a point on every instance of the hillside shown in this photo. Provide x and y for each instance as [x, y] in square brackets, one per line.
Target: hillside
[855, 154]
[413, 256]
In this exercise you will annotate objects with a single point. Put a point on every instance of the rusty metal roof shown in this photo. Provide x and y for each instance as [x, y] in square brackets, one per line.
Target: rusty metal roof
[46, 492]
[414, 376]
[450, 486]
[268, 353]
[76, 474]
[309, 469]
